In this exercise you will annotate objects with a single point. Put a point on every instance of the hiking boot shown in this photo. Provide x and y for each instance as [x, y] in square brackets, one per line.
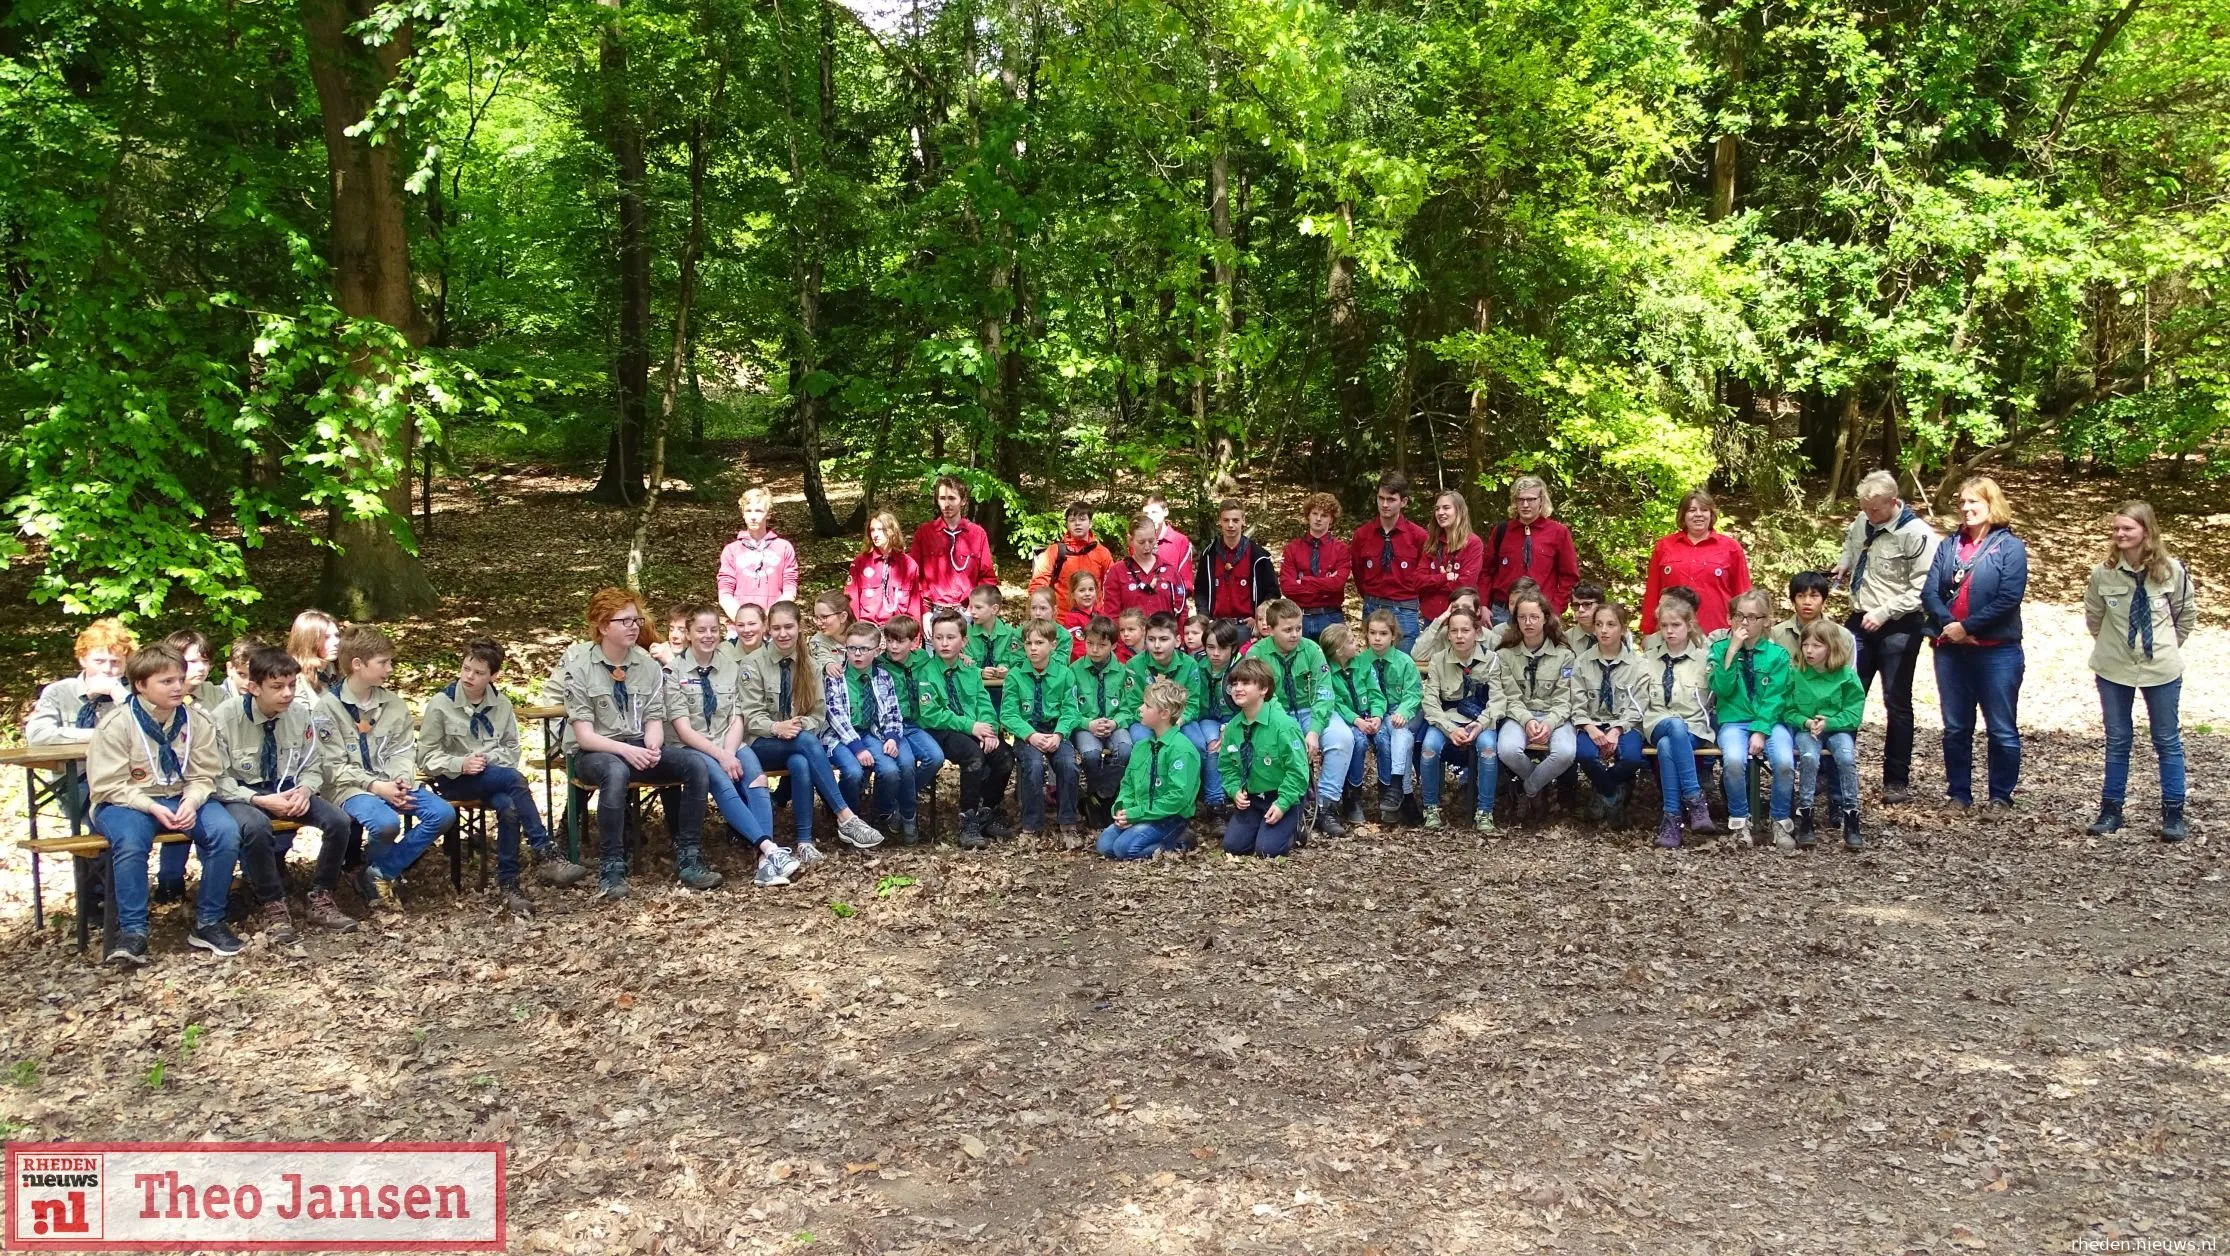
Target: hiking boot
[971, 831]
[1328, 824]
[1668, 833]
[515, 899]
[215, 938]
[611, 881]
[1433, 820]
[1784, 836]
[1895, 794]
[807, 855]
[2109, 820]
[770, 874]
[1033, 836]
[555, 869]
[1852, 840]
[324, 913]
[1389, 810]
[857, 833]
[994, 824]
[1351, 810]
[2172, 826]
[1069, 836]
[1699, 815]
[278, 924]
[380, 894]
[1807, 830]
[909, 832]
[130, 951]
[690, 870]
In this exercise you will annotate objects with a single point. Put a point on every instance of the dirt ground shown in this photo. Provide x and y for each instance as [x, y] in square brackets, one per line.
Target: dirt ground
[1997, 1035]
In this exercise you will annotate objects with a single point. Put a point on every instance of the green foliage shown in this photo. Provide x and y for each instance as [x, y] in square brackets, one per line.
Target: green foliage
[1059, 250]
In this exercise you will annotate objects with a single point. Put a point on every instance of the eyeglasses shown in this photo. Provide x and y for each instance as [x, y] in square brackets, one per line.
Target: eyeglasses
[627, 620]
[861, 649]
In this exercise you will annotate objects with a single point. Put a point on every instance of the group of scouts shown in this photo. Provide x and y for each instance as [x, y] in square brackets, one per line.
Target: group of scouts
[1138, 696]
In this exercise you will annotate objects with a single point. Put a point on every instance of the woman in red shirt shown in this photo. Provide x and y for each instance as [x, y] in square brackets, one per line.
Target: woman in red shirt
[1454, 555]
[886, 581]
[1702, 558]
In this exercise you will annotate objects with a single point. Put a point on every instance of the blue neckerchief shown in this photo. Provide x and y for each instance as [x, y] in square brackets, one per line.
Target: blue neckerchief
[89, 709]
[1153, 768]
[1037, 701]
[1472, 703]
[1246, 753]
[1668, 680]
[1749, 660]
[706, 698]
[1354, 699]
[267, 761]
[1532, 673]
[1604, 701]
[480, 723]
[952, 690]
[785, 698]
[1316, 556]
[619, 689]
[2141, 613]
[166, 751]
[1866, 551]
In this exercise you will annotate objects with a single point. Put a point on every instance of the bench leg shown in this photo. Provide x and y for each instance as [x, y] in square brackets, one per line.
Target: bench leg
[109, 924]
[38, 903]
[453, 839]
[480, 847]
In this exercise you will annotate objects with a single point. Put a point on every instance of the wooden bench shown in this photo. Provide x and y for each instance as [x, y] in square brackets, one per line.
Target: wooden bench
[88, 851]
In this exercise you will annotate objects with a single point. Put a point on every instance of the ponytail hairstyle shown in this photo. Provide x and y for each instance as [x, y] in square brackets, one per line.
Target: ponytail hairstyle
[805, 679]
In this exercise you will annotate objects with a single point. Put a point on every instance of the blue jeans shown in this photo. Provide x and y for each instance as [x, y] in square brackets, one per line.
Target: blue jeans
[1842, 752]
[1142, 839]
[1030, 766]
[852, 775]
[1247, 833]
[1337, 742]
[1510, 748]
[920, 758]
[1486, 771]
[1314, 622]
[505, 792]
[1987, 677]
[1102, 763]
[807, 764]
[1679, 772]
[2119, 702]
[131, 834]
[1734, 768]
[750, 812]
[387, 848]
[1395, 747]
[1610, 775]
[1405, 615]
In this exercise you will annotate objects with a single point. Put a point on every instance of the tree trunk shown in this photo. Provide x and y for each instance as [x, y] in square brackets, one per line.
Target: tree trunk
[1725, 151]
[1480, 417]
[1350, 339]
[1846, 446]
[808, 407]
[370, 575]
[622, 480]
[639, 547]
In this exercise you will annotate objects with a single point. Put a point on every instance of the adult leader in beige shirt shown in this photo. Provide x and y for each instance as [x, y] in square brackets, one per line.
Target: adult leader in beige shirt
[1886, 554]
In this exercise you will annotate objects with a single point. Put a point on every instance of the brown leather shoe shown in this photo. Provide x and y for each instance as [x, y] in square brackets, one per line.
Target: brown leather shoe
[324, 913]
[278, 924]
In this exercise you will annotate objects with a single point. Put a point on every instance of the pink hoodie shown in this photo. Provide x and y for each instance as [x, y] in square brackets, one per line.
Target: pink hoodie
[758, 573]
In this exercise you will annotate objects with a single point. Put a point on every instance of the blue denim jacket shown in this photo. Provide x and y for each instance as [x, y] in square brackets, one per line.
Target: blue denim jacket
[2000, 577]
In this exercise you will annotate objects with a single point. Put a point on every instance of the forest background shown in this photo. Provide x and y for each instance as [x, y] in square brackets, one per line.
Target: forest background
[279, 268]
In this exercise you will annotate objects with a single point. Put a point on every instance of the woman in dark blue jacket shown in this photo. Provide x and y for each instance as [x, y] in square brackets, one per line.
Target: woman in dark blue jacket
[1973, 600]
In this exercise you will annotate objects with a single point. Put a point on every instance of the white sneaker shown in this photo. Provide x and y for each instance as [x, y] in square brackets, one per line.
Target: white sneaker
[770, 873]
[858, 833]
[1738, 829]
[808, 854]
[790, 864]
